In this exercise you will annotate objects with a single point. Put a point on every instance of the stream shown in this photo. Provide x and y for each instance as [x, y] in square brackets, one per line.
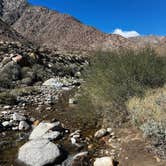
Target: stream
[68, 114]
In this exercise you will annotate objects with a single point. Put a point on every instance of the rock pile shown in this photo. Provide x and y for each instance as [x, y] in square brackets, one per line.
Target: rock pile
[14, 121]
[24, 65]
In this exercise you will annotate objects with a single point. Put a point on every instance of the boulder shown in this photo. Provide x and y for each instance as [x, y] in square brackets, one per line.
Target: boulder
[39, 153]
[103, 161]
[43, 130]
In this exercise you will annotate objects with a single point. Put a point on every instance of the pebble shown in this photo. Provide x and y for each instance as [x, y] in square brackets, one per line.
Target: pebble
[6, 124]
[15, 128]
[100, 133]
[6, 107]
[23, 125]
[109, 130]
[18, 117]
[73, 140]
[103, 161]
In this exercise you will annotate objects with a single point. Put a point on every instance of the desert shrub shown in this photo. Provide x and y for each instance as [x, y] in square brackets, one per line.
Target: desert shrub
[24, 91]
[5, 81]
[7, 98]
[9, 73]
[114, 77]
[155, 130]
[61, 69]
[40, 72]
[149, 113]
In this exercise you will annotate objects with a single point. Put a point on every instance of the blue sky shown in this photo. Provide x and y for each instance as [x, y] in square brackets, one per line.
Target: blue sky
[144, 16]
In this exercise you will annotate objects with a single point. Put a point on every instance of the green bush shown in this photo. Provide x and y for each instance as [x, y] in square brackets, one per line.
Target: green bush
[6, 98]
[24, 91]
[114, 77]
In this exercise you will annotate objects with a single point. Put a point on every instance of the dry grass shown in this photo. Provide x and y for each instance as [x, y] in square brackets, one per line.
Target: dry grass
[149, 114]
[151, 107]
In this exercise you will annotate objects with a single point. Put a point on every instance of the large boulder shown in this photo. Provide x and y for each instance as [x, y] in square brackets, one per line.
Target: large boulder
[39, 153]
[45, 131]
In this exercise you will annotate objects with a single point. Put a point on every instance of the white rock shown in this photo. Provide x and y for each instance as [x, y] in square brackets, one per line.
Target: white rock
[109, 130]
[73, 141]
[80, 154]
[23, 125]
[100, 133]
[42, 129]
[71, 101]
[76, 136]
[103, 161]
[39, 153]
[18, 117]
[15, 128]
[53, 82]
[6, 123]
[6, 107]
[4, 112]
[75, 133]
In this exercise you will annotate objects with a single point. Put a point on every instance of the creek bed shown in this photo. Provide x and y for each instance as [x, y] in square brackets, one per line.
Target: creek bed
[68, 114]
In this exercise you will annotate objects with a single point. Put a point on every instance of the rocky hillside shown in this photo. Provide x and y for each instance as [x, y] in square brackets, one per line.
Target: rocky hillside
[157, 42]
[148, 40]
[61, 31]
[9, 34]
[11, 10]
[23, 65]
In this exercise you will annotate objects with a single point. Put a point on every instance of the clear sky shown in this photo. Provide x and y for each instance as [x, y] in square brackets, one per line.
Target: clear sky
[143, 16]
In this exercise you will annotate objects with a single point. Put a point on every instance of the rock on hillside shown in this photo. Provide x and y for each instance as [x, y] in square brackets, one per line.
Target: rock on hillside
[63, 32]
[11, 10]
[24, 65]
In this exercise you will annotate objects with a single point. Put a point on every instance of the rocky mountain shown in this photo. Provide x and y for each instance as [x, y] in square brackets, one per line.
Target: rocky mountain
[55, 30]
[61, 31]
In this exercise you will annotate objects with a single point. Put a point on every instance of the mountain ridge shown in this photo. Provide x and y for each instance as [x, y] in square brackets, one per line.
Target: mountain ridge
[58, 31]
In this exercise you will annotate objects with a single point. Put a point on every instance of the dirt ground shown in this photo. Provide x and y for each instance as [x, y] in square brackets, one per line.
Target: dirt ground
[136, 150]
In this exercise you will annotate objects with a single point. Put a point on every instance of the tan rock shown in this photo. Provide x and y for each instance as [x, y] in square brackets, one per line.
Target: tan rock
[103, 161]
